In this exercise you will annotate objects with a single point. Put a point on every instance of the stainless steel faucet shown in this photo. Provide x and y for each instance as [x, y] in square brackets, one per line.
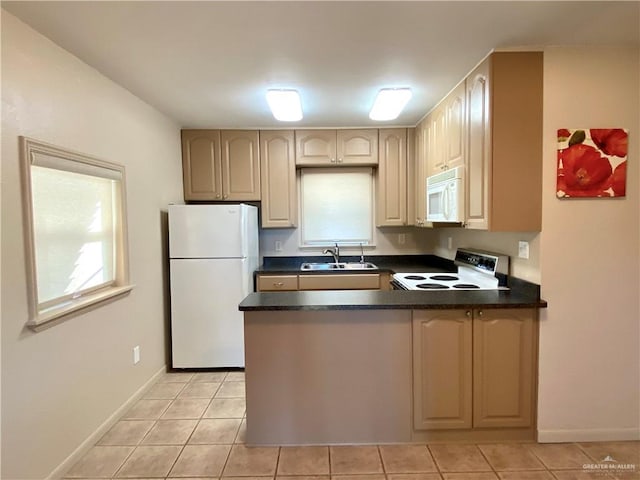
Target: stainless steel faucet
[333, 251]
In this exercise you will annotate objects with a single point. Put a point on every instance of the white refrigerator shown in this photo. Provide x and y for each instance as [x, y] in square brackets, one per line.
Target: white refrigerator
[213, 252]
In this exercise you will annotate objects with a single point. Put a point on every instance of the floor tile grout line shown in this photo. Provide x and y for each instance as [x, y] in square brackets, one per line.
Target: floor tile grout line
[486, 459]
[384, 470]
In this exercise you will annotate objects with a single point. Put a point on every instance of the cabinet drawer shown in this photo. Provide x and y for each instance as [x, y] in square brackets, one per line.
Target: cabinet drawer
[267, 283]
[366, 281]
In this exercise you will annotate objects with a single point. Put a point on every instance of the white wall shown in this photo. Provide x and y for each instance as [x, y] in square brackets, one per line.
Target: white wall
[590, 259]
[60, 385]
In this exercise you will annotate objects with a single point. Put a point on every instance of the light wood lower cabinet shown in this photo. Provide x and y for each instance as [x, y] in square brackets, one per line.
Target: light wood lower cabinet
[342, 281]
[504, 367]
[275, 283]
[474, 369]
[338, 281]
[442, 369]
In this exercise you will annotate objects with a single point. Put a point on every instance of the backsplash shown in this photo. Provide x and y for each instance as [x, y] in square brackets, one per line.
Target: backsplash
[499, 242]
[389, 241]
[421, 241]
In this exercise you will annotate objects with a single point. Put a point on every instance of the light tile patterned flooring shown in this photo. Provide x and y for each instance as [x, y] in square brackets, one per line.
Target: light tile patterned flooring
[192, 425]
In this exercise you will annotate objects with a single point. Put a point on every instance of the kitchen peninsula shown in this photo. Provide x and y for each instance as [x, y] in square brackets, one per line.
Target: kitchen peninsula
[373, 366]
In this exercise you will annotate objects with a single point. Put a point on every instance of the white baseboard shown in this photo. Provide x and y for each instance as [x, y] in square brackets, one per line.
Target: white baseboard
[590, 435]
[91, 440]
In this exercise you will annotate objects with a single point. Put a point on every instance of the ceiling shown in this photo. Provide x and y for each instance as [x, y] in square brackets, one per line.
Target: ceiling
[208, 64]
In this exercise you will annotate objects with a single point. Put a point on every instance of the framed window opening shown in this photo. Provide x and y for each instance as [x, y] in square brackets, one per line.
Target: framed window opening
[337, 206]
[75, 231]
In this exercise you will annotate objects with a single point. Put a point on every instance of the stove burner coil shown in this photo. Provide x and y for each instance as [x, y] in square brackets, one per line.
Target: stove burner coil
[431, 286]
[414, 277]
[443, 278]
[465, 285]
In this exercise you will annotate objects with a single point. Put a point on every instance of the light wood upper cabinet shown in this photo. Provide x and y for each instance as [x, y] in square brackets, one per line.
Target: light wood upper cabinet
[447, 132]
[220, 165]
[455, 110]
[436, 147]
[411, 176]
[442, 369]
[504, 351]
[279, 206]
[422, 143]
[315, 147]
[336, 147]
[357, 147]
[479, 148]
[201, 167]
[392, 177]
[474, 369]
[240, 165]
[504, 149]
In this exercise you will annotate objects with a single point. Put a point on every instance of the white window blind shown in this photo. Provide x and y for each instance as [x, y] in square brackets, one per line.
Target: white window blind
[76, 222]
[336, 206]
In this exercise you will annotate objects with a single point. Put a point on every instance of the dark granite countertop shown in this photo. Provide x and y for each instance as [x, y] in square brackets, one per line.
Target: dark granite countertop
[522, 294]
[390, 300]
[385, 263]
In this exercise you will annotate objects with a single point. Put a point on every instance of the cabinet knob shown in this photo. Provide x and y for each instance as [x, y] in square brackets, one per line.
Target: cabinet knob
[467, 313]
[225, 196]
[480, 313]
[333, 160]
[217, 195]
[278, 284]
[339, 160]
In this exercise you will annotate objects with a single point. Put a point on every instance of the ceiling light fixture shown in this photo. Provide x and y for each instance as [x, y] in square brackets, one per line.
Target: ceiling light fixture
[285, 105]
[389, 103]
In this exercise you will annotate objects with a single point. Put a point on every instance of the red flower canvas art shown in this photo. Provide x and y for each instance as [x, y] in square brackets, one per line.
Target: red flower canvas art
[592, 162]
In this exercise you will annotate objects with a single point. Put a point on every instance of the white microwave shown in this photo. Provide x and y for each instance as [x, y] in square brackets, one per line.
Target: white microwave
[445, 196]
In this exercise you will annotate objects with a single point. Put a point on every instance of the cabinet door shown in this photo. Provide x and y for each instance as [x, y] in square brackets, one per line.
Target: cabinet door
[357, 147]
[392, 178]
[423, 131]
[436, 158]
[455, 128]
[278, 179]
[277, 283]
[442, 385]
[341, 281]
[240, 165]
[411, 175]
[201, 168]
[478, 148]
[315, 147]
[504, 352]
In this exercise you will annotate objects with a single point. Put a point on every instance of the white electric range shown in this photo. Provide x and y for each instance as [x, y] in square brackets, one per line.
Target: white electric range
[477, 270]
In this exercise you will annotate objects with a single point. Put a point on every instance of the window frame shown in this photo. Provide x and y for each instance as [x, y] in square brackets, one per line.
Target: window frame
[343, 243]
[50, 312]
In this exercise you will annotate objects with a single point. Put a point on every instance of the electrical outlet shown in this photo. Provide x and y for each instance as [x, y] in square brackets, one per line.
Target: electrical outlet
[278, 246]
[401, 238]
[450, 243]
[523, 249]
[136, 354]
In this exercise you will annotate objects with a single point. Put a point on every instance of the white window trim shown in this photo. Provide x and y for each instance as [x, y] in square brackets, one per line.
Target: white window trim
[44, 316]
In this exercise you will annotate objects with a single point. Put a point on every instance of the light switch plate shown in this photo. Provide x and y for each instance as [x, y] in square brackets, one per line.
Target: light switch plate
[523, 249]
[278, 246]
[136, 354]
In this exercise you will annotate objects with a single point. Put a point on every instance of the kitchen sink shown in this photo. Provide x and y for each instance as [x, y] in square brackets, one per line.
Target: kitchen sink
[338, 266]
